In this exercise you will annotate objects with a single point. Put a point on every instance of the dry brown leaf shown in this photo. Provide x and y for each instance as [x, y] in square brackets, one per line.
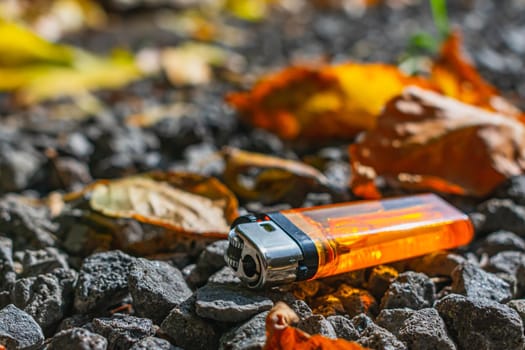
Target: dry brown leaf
[320, 103]
[424, 140]
[456, 77]
[277, 177]
[281, 336]
[181, 202]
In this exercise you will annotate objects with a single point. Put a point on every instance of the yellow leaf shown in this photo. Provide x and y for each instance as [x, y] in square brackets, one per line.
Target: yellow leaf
[250, 10]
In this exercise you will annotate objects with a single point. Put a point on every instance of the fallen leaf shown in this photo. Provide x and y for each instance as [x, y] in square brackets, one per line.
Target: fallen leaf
[276, 178]
[424, 140]
[181, 202]
[36, 69]
[456, 77]
[320, 103]
[281, 336]
[249, 10]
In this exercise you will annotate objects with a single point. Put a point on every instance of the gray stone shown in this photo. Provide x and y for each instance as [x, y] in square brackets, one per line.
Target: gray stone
[103, 280]
[77, 339]
[212, 257]
[224, 276]
[250, 335]
[18, 330]
[7, 270]
[317, 324]
[229, 303]
[519, 306]
[513, 188]
[122, 331]
[425, 330]
[410, 289]
[344, 328]
[380, 278]
[436, 264]
[300, 308]
[36, 262]
[393, 319]
[196, 276]
[472, 281]
[481, 323]
[156, 287]
[18, 167]
[501, 241]
[506, 262]
[375, 337]
[153, 343]
[502, 214]
[189, 331]
[47, 298]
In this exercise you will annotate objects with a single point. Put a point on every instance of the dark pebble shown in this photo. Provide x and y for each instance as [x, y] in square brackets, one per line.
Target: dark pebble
[344, 328]
[472, 281]
[436, 264]
[317, 324]
[380, 278]
[328, 305]
[188, 330]
[103, 280]
[36, 262]
[77, 339]
[251, 335]
[18, 167]
[501, 241]
[212, 257]
[229, 303]
[519, 306]
[356, 301]
[503, 214]
[7, 271]
[47, 298]
[425, 330]
[410, 289]
[513, 188]
[507, 262]
[393, 319]
[481, 323]
[153, 343]
[375, 337]
[156, 287]
[18, 330]
[224, 276]
[122, 331]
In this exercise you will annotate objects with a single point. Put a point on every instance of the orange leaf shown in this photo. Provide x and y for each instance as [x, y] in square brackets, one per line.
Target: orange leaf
[424, 140]
[456, 77]
[322, 102]
[281, 336]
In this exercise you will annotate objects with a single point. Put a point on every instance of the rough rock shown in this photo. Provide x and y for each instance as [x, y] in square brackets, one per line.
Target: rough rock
[330, 305]
[393, 319]
[7, 271]
[507, 262]
[77, 339]
[18, 330]
[18, 167]
[436, 264]
[375, 337]
[513, 188]
[229, 303]
[153, 343]
[300, 308]
[36, 262]
[122, 331]
[410, 289]
[472, 281]
[212, 257]
[379, 280]
[103, 280]
[519, 306]
[156, 287]
[501, 241]
[344, 328]
[224, 276]
[502, 214]
[356, 301]
[481, 323]
[196, 276]
[250, 335]
[47, 298]
[188, 330]
[317, 324]
[425, 330]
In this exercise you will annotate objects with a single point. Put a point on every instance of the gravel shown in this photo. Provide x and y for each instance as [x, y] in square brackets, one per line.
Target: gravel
[18, 330]
[77, 339]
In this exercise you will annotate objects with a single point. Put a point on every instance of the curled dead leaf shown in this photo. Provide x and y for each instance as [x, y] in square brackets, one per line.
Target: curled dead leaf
[181, 202]
[276, 178]
[424, 140]
[280, 335]
[322, 102]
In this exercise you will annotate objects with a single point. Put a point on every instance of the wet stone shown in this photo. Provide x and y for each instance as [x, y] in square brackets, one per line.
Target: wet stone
[229, 303]
[393, 319]
[481, 323]
[77, 339]
[501, 241]
[18, 330]
[317, 324]
[36, 262]
[380, 278]
[47, 298]
[375, 337]
[103, 280]
[153, 343]
[425, 330]
[251, 335]
[410, 289]
[156, 287]
[189, 331]
[344, 328]
[122, 331]
[503, 214]
[356, 301]
[472, 281]
[436, 264]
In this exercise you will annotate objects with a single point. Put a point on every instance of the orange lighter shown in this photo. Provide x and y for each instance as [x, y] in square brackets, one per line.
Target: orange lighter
[310, 243]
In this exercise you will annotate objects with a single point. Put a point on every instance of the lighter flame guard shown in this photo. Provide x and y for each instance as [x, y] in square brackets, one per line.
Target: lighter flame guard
[310, 243]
